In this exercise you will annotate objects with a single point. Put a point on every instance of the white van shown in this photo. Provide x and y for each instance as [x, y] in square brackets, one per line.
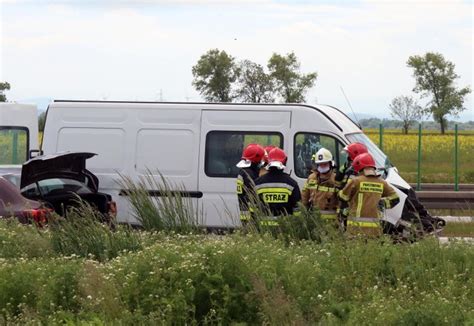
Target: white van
[18, 137]
[196, 145]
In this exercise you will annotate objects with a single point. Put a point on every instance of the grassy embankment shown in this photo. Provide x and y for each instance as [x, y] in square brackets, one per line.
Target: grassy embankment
[79, 271]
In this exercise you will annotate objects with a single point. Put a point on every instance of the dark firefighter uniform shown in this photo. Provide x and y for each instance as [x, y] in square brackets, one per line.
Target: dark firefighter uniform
[321, 194]
[343, 175]
[245, 186]
[279, 192]
[364, 193]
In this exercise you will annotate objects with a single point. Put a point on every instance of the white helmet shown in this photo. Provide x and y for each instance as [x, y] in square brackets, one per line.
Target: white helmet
[323, 156]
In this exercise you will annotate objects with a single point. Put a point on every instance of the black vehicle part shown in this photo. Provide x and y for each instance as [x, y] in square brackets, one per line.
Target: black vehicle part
[61, 203]
[415, 222]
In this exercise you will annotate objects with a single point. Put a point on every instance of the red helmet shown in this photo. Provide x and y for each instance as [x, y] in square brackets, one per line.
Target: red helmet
[267, 150]
[363, 161]
[253, 153]
[277, 158]
[355, 149]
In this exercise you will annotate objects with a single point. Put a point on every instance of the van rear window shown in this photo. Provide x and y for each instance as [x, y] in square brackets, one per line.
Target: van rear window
[13, 145]
[224, 149]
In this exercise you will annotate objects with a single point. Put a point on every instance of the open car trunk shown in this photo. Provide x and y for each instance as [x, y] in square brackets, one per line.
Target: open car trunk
[61, 180]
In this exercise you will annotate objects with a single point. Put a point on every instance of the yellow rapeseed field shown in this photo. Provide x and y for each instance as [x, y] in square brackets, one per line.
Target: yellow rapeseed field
[437, 160]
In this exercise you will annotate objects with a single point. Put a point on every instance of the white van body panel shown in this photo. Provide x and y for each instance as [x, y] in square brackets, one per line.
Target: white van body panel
[132, 138]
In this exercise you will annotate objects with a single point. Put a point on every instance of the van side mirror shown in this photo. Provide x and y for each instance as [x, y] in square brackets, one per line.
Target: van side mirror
[35, 153]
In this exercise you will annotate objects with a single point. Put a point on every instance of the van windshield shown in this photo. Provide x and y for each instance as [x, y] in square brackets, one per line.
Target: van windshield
[380, 158]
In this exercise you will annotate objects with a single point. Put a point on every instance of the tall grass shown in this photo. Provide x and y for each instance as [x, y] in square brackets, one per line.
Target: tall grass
[166, 209]
[83, 234]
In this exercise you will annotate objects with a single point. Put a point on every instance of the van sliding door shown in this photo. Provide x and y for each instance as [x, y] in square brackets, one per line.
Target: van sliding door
[224, 134]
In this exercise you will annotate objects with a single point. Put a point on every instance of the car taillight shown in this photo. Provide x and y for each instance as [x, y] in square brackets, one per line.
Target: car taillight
[112, 208]
[38, 215]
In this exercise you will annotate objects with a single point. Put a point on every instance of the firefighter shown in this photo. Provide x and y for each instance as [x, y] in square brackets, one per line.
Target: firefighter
[344, 174]
[263, 168]
[367, 195]
[249, 166]
[319, 191]
[277, 191]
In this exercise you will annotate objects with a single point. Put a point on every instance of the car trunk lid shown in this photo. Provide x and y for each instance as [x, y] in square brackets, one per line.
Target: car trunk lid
[71, 165]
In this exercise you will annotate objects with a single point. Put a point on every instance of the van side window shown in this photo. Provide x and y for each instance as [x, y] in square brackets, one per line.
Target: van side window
[14, 143]
[224, 149]
[307, 144]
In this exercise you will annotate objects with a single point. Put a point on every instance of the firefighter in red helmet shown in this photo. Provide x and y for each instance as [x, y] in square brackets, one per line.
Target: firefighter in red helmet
[263, 168]
[345, 173]
[367, 195]
[276, 190]
[252, 157]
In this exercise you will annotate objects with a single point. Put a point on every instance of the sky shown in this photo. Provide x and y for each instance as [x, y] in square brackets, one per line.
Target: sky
[144, 50]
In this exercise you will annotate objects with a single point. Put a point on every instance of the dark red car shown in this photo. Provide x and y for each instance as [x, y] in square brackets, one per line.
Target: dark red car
[13, 204]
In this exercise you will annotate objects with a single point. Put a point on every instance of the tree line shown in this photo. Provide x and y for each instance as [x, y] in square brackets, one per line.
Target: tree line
[374, 123]
[219, 77]
[435, 80]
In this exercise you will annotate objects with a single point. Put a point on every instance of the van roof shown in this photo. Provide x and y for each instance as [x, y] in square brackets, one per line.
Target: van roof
[340, 120]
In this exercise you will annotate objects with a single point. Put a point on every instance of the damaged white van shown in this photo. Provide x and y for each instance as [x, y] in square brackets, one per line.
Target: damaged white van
[197, 145]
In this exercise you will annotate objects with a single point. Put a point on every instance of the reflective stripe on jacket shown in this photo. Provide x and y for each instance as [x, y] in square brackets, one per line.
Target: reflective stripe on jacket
[364, 194]
[319, 193]
[278, 191]
[245, 185]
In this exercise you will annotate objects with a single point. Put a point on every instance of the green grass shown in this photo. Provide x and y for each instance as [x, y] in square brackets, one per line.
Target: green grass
[458, 230]
[132, 277]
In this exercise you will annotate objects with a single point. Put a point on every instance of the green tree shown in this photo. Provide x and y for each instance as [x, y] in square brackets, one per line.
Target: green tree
[254, 85]
[214, 74]
[290, 83]
[435, 79]
[406, 109]
[3, 87]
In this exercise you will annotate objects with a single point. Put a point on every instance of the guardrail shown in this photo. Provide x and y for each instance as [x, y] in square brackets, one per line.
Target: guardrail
[443, 186]
[447, 199]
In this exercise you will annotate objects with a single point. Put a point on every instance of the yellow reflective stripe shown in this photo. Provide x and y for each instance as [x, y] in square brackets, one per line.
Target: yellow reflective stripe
[394, 196]
[327, 189]
[269, 223]
[387, 202]
[240, 186]
[309, 184]
[328, 216]
[343, 196]
[363, 224]
[360, 199]
[274, 190]
[372, 187]
[244, 216]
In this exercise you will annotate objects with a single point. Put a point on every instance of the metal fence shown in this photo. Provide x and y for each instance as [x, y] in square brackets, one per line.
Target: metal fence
[420, 158]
